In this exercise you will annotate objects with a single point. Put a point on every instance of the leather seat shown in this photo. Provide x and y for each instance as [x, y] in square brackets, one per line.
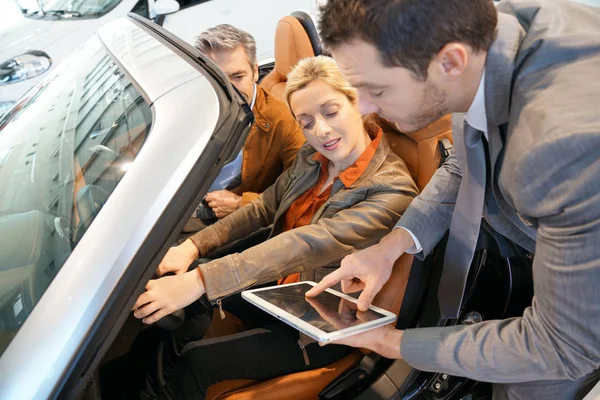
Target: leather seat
[294, 40]
[420, 149]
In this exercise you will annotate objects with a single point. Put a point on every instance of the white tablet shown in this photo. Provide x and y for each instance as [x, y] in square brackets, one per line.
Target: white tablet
[329, 316]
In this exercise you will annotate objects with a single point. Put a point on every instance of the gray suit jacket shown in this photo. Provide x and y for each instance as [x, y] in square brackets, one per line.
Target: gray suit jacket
[542, 95]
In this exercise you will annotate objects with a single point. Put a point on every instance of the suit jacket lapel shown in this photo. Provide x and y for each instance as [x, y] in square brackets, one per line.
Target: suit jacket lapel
[499, 68]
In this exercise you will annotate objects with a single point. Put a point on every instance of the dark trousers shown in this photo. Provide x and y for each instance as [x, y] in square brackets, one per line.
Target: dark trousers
[269, 349]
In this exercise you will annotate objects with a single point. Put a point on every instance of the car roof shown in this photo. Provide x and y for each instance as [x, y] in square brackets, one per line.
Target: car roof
[154, 67]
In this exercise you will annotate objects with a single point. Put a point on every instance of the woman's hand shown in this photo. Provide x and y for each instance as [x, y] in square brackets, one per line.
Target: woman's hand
[168, 294]
[178, 259]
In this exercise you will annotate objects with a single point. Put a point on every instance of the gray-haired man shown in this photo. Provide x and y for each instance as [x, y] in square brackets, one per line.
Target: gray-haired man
[275, 137]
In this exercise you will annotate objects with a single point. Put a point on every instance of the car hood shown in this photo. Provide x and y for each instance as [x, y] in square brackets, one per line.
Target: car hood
[35, 35]
[57, 38]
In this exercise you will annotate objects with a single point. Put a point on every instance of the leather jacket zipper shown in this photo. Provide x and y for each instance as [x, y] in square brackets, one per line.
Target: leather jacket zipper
[304, 353]
[219, 303]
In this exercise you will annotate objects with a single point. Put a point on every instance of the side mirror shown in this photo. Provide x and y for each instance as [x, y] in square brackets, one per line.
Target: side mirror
[164, 7]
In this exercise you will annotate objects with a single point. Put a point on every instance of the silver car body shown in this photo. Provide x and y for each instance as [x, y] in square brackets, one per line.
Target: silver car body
[59, 38]
[186, 110]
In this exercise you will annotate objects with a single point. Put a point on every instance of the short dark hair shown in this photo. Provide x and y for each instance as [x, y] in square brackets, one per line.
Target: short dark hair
[409, 33]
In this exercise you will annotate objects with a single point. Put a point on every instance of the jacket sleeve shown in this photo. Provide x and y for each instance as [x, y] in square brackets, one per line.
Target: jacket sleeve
[556, 186]
[308, 247]
[428, 216]
[291, 142]
[243, 221]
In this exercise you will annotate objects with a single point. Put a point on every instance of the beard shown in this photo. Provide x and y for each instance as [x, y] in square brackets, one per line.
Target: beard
[432, 107]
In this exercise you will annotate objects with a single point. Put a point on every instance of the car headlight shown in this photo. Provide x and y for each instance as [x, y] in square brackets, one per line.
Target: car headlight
[25, 66]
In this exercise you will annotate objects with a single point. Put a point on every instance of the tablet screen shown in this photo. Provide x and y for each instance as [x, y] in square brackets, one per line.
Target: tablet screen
[340, 313]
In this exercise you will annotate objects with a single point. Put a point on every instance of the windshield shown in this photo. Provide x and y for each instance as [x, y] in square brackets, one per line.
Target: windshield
[66, 9]
[63, 151]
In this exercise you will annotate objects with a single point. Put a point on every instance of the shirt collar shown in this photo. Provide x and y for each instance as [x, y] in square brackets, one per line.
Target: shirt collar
[355, 171]
[476, 116]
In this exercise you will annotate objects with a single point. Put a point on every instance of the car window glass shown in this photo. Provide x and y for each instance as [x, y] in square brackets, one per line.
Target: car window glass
[63, 152]
[189, 3]
[141, 8]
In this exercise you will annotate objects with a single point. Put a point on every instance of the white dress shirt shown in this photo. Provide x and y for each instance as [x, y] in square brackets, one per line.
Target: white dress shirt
[475, 117]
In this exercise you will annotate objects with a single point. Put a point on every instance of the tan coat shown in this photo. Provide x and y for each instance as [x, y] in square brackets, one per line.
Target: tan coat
[271, 145]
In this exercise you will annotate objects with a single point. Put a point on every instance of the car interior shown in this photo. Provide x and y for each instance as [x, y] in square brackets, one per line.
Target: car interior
[410, 292]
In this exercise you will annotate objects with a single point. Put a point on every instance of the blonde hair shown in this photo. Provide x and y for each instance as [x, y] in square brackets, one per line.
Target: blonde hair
[321, 68]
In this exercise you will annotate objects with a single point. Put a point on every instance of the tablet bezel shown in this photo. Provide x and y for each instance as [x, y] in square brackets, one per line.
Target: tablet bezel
[307, 328]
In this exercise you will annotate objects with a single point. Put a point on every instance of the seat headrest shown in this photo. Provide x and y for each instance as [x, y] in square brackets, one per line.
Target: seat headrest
[420, 149]
[292, 44]
[311, 30]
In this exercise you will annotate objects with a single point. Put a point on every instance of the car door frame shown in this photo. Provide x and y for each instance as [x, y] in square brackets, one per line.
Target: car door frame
[65, 370]
[225, 143]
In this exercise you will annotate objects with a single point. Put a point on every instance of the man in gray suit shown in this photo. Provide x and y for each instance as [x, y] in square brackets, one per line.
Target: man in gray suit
[526, 80]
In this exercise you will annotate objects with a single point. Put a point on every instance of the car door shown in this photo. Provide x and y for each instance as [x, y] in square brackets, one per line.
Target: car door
[102, 167]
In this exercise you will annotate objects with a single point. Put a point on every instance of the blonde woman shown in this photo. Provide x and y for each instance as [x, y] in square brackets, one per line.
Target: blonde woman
[344, 192]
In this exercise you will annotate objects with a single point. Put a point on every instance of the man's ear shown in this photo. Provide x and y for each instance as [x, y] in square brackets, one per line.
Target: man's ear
[255, 73]
[452, 60]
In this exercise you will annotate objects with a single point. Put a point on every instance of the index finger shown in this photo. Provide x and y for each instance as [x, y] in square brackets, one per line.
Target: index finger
[159, 269]
[327, 282]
